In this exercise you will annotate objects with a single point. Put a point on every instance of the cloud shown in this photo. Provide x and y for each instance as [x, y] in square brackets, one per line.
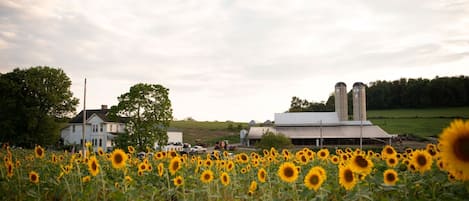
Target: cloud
[249, 56]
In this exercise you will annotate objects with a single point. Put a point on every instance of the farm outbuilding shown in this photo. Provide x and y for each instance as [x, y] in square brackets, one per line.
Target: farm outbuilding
[327, 128]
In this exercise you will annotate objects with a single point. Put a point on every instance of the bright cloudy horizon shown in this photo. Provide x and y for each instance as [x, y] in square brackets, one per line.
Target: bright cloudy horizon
[234, 60]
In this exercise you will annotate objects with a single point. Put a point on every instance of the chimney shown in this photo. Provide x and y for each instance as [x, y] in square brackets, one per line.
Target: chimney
[341, 101]
[103, 107]
[359, 102]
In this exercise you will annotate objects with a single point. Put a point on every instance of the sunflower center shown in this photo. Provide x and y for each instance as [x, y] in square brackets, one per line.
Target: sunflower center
[175, 166]
[390, 177]
[348, 175]
[244, 158]
[421, 160]
[314, 179]
[94, 166]
[262, 175]
[118, 158]
[323, 154]
[207, 177]
[389, 151]
[39, 152]
[362, 162]
[392, 161]
[432, 152]
[33, 177]
[461, 148]
[288, 172]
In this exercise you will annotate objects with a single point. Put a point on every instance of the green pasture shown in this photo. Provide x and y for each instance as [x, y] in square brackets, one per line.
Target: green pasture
[419, 122]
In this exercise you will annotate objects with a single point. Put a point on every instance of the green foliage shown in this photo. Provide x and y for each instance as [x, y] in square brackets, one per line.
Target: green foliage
[419, 93]
[149, 113]
[270, 139]
[34, 103]
[300, 105]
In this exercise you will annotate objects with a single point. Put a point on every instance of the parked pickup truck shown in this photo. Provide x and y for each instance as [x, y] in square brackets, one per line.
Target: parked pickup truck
[198, 149]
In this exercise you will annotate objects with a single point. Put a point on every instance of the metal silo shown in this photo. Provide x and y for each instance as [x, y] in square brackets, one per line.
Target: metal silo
[359, 102]
[341, 107]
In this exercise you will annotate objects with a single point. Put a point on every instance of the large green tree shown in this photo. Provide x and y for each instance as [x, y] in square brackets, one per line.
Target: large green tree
[149, 113]
[34, 103]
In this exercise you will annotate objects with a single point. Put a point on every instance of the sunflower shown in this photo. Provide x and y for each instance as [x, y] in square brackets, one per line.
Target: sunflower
[172, 154]
[100, 151]
[243, 158]
[304, 159]
[323, 154]
[118, 158]
[262, 175]
[314, 179]
[392, 161]
[321, 171]
[225, 179]
[142, 166]
[432, 150]
[286, 153]
[346, 177]
[206, 176]
[390, 177]
[86, 179]
[178, 181]
[208, 163]
[93, 166]
[54, 158]
[360, 164]
[174, 165]
[158, 156]
[253, 186]
[454, 148]
[10, 170]
[335, 159]
[127, 179]
[422, 160]
[388, 151]
[288, 172]
[244, 170]
[230, 165]
[34, 177]
[39, 151]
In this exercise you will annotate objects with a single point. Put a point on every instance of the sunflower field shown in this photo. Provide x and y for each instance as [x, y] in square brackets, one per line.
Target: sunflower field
[439, 172]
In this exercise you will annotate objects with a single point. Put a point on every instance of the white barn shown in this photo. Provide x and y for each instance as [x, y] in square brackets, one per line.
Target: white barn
[327, 128]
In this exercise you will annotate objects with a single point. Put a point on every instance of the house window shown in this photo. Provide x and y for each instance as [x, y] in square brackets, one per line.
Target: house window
[73, 128]
[111, 127]
[101, 127]
[100, 142]
[81, 142]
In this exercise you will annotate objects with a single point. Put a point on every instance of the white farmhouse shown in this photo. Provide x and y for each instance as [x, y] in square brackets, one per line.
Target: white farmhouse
[101, 131]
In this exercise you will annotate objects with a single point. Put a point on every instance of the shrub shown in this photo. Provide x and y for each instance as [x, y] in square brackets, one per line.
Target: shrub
[270, 139]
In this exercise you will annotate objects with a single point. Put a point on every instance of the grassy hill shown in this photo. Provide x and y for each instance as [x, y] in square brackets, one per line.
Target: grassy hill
[209, 132]
[420, 122]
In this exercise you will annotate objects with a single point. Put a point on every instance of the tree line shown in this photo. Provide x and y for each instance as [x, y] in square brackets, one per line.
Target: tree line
[402, 93]
[418, 93]
[36, 103]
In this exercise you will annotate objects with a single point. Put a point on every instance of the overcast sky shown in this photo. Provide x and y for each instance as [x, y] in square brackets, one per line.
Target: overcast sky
[234, 60]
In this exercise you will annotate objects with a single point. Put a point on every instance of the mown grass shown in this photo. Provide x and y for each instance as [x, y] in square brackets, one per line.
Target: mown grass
[462, 112]
[209, 132]
[418, 122]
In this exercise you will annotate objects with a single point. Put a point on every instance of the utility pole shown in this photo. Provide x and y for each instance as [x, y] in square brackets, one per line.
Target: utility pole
[320, 132]
[84, 121]
[361, 120]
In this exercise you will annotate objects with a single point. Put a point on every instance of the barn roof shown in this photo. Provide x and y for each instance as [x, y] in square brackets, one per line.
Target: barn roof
[369, 131]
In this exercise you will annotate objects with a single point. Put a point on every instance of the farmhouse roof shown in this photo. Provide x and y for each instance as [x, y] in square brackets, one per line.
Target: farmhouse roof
[101, 113]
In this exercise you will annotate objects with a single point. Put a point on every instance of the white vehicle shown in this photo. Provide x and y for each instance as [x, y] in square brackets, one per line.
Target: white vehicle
[198, 149]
